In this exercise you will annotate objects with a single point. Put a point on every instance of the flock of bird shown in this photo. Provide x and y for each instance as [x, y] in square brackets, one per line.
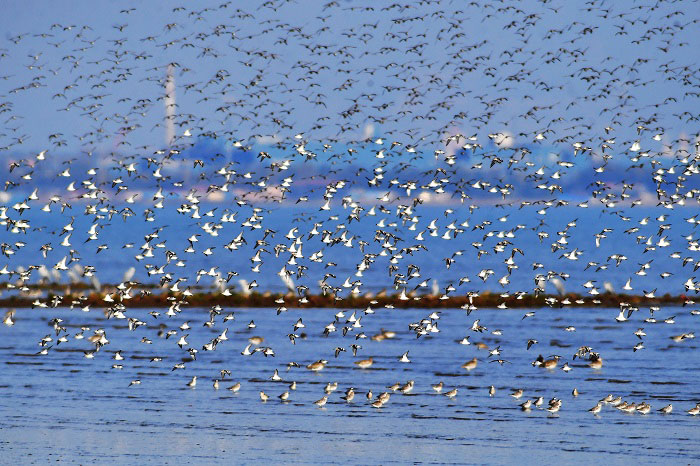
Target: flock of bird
[354, 114]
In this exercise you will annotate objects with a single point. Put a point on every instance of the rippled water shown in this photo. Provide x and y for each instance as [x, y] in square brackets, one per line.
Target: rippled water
[63, 406]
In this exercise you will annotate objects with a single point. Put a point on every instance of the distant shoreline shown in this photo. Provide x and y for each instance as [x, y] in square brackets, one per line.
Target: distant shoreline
[145, 296]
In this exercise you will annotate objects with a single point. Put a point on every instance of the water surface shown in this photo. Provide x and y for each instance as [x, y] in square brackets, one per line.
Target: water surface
[63, 406]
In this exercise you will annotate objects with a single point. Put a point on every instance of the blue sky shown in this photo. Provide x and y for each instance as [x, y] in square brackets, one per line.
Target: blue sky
[308, 67]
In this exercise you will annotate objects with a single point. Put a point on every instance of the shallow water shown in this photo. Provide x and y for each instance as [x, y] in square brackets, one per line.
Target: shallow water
[62, 406]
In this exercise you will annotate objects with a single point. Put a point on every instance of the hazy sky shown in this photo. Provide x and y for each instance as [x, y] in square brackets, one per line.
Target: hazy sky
[279, 70]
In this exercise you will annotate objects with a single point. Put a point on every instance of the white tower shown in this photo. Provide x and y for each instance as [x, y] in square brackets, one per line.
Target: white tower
[169, 102]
